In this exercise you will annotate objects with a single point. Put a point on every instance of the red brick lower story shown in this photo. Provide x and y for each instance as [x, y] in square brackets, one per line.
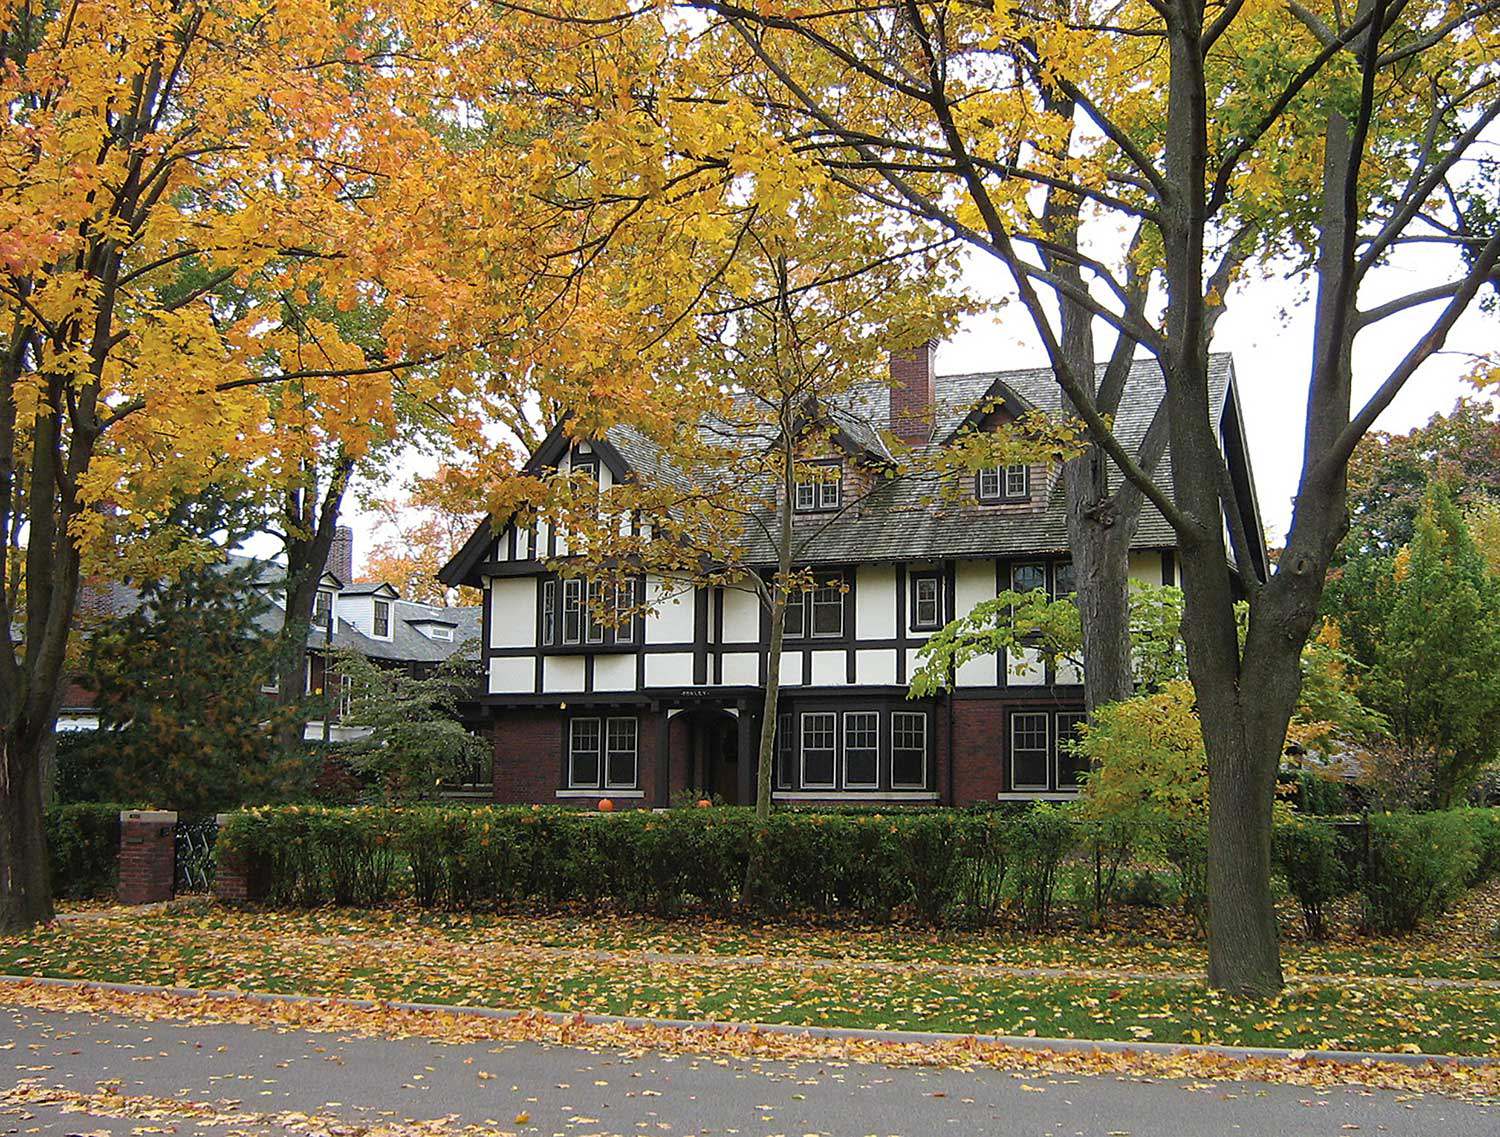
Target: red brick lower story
[977, 749]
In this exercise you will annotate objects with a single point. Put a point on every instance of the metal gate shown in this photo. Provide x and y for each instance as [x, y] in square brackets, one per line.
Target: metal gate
[195, 854]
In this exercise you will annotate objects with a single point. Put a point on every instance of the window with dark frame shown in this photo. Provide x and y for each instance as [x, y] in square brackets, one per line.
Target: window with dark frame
[322, 613]
[620, 754]
[1064, 579]
[382, 619]
[1069, 760]
[908, 750]
[861, 750]
[819, 749]
[1028, 577]
[786, 750]
[625, 603]
[585, 739]
[1003, 483]
[816, 613]
[926, 602]
[603, 748]
[1029, 749]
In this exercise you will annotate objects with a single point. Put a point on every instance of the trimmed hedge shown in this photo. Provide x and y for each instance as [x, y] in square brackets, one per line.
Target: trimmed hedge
[954, 865]
[939, 865]
[83, 845]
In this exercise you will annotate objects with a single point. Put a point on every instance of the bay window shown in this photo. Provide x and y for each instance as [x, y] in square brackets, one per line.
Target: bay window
[819, 749]
[602, 753]
[908, 750]
[861, 750]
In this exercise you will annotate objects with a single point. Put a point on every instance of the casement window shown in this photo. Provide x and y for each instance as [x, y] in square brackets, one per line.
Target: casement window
[1064, 579]
[908, 750]
[821, 489]
[1068, 760]
[786, 751]
[819, 749]
[602, 748]
[593, 625]
[1004, 483]
[926, 602]
[817, 612]
[625, 604]
[1028, 577]
[549, 612]
[593, 612]
[572, 610]
[382, 620]
[1030, 749]
[861, 750]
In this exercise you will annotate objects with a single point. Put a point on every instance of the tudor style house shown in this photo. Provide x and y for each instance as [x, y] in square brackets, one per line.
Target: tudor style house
[671, 701]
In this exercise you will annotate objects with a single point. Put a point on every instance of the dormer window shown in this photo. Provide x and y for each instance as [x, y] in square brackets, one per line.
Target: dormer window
[441, 632]
[322, 613]
[1004, 483]
[382, 623]
[820, 489]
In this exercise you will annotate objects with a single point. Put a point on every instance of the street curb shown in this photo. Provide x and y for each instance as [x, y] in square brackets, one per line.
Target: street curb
[915, 1038]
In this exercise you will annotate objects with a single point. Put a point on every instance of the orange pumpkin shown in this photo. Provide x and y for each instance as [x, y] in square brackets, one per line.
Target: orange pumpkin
[704, 803]
[606, 806]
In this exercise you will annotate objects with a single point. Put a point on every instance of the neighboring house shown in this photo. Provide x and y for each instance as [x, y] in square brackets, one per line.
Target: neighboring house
[672, 700]
[368, 617]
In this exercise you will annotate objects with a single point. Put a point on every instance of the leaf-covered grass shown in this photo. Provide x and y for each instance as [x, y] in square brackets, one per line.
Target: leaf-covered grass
[844, 976]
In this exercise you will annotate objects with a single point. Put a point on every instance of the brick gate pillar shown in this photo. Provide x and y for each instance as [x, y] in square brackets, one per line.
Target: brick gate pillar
[148, 855]
[236, 879]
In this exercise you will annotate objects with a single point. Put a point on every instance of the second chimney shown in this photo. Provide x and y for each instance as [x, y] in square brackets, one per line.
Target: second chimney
[341, 555]
[912, 394]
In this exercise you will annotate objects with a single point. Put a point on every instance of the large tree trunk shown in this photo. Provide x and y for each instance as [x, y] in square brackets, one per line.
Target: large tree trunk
[1101, 560]
[25, 890]
[310, 527]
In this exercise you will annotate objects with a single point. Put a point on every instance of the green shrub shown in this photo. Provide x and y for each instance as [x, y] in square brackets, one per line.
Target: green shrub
[1484, 823]
[83, 847]
[937, 865]
[1419, 865]
[1044, 835]
[1307, 854]
[1184, 844]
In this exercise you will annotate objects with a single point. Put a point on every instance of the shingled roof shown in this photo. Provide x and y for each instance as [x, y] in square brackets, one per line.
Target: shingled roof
[906, 519]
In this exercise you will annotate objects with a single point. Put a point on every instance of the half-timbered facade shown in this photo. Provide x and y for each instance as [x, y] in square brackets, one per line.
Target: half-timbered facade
[671, 701]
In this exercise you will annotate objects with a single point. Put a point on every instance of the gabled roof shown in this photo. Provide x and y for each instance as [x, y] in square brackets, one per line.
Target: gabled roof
[904, 519]
[371, 588]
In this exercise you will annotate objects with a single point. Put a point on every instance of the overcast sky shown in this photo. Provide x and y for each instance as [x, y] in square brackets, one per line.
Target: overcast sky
[1268, 329]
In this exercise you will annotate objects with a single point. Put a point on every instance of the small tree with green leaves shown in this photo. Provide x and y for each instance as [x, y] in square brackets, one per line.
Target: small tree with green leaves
[181, 682]
[415, 742]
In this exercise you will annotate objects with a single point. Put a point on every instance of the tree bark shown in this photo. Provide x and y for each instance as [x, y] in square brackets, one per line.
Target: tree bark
[25, 887]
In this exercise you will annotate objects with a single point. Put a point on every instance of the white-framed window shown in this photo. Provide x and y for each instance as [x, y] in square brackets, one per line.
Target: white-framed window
[572, 610]
[322, 613]
[620, 753]
[926, 602]
[786, 750]
[625, 602]
[908, 750]
[819, 749]
[1030, 736]
[1004, 483]
[821, 489]
[1068, 761]
[549, 612]
[382, 620]
[441, 632]
[346, 698]
[593, 625]
[861, 750]
[1017, 481]
[585, 742]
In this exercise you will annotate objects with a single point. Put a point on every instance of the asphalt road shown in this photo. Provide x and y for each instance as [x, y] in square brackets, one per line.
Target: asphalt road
[483, 1088]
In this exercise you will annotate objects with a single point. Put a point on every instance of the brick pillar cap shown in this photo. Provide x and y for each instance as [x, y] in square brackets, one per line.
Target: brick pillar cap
[221, 819]
[151, 815]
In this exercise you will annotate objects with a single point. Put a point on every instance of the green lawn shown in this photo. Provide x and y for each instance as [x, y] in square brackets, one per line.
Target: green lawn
[889, 977]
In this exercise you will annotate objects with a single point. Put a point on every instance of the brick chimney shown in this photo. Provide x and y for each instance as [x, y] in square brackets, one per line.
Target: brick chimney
[912, 394]
[341, 555]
